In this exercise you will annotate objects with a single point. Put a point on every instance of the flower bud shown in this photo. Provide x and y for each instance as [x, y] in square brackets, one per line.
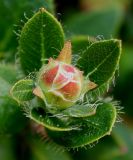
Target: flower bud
[61, 83]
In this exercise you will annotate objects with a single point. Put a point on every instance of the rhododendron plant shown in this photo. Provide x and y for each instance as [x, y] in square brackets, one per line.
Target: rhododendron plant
[61, 89]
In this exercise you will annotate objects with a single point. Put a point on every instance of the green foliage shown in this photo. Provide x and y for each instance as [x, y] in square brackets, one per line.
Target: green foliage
[41, 37]
[48, 120]
[97, 59]
[91, 128]
[102, 22]
[88, 50]
[80, 111]
[80, 46]
[118, 146]
[93, 27]
[23, 90]
[100, 60]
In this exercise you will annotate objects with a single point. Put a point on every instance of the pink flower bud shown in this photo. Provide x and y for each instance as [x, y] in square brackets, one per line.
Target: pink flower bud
[61, 83]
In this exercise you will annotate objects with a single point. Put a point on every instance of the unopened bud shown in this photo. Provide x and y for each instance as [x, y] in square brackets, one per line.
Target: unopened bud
[60, 83]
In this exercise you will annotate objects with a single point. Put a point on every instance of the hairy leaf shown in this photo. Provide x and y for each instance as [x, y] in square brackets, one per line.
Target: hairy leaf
[80, 45]
[100, 61]
[79, 111]
[23, 90]
[49, 121]
[90, 129]
[42, 37]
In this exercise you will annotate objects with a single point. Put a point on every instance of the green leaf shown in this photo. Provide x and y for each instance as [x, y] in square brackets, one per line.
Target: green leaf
[99, 22]
[118, 146]
[100, 61]
[42, 37]
[90, 129]
[79, 111]
[49, 121]
[23, 90]
[80, 45]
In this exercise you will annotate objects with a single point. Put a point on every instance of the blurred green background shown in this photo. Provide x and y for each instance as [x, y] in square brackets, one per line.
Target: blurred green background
[102, 19]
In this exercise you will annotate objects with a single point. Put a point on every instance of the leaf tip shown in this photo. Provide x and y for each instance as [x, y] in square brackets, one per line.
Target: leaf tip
[92, 85]
[108, 133]
[66, 53]
[118, 42]
[42, 9]
[37, 92]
